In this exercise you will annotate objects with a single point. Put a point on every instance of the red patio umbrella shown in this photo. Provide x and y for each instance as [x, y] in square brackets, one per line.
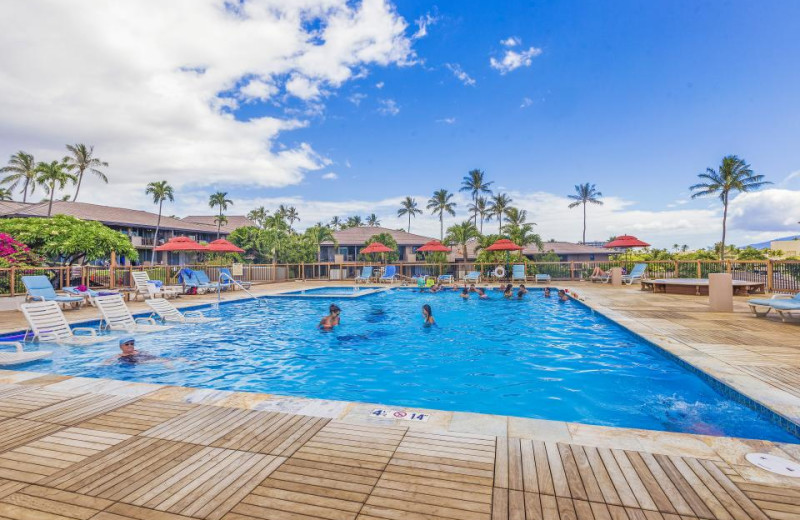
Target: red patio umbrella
[434, 246]
[376, 247]
[181, 244]
[504, 244]
[626, 242]
[221, 245]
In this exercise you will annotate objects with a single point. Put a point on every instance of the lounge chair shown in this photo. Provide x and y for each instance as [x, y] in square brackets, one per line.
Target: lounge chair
[227, 279]
[543, 278]
[204, 282]
[389, 274]
[169, 312]
[636, 274]
[20, 355]
[49, 325]
[783, 304]
[473, 277]
[149, 290]
[117, 316]
[40, 289]
[88, 294]
[365, 274]
[602, 278]
[445, 278]
[518, 273]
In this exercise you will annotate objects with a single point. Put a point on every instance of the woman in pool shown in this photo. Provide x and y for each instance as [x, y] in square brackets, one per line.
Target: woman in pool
[522, 291]
[508, 292]
[465, 294]
[427, 313]
[562, 295]
[546, 292]
[481, 294]
[332, 319]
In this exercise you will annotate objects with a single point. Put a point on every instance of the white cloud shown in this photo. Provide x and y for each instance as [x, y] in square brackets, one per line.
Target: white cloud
[766, 210]
[379, 85]
[526, 102]
[512, 59]
[388, 107]
[156, 83]
[330, 176]
[423, 22]
[447, 120]
[357, 98]
[459, 73]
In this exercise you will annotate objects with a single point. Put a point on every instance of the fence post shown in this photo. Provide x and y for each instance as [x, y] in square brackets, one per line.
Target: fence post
[13, 280]
[770, 285]
[728, 266]
[112, 267]
[699, 270]
[677, 269]
[572, 271]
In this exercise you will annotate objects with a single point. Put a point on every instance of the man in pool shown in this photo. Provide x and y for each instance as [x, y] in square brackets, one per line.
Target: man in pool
[522, 291]
[562, 296]
[465, 293]
[130, 355]
[332, 319]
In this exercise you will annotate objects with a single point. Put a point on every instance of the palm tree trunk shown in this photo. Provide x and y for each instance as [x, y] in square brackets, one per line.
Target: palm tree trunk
[409, 222]
[584, 223]
[500, 223]
[52, 192]
[724, 224]
[155, 236]
[25, 190]
[219, 222]
[78, 188]
[441, 225]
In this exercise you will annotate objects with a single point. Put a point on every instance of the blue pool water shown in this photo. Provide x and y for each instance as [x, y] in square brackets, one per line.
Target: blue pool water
[532, 358]
[332, 291]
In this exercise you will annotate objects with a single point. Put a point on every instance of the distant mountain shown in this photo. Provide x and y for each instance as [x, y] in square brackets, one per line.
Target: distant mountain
[765, 245]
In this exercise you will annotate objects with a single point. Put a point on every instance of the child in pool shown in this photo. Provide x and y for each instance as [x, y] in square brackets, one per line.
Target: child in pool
[332, 319]
[427, 313]
[482, 294]
[546, 292]
[508, 292]
[562, 296]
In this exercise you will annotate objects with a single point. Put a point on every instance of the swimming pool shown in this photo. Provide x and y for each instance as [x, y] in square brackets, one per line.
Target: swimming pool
[535, 357]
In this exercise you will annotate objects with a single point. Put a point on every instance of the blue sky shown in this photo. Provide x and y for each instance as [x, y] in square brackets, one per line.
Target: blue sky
[268, 102]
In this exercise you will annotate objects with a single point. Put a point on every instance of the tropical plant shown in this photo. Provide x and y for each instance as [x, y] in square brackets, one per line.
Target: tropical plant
[441, 203]
[733, 175]
[751, 253]
[53, 176]
[81, 158]
[585, 194]
[684, 248]
[484, 256]
[290, 214]
[372, 220]
[317, 235]
[481, 208]
[409, 208]
[387, 240]
[519, 231]
[161, 191]
[498, 205]
[5, 194]
[21, 169]
[219, 199]
[258, 215]
[13, 252]
[475, 183]
[335, 223]
[460, 234]
[353, 222]
[220, 220]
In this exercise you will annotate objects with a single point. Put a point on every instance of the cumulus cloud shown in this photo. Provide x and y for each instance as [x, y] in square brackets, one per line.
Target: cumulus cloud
[357, 98]
[388, 107]
[157, 94]
[512, 59]
[423, 22]
[765, 210]
[459, 73]
[330, 176]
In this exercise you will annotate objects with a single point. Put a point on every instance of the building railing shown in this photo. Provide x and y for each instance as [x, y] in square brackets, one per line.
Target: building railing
[777, 275]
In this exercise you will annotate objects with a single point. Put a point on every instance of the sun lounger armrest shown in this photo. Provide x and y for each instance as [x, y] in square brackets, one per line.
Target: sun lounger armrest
[194, 314]
[15, 344]
[781, 296]
[91, 331]
[149, 321]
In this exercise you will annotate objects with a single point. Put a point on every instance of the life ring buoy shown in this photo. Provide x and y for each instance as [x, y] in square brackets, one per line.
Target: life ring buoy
[499, 271]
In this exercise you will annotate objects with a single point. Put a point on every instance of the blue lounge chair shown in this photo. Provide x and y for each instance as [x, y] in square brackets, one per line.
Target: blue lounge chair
[365, 275]
[204, 282]
[389, 274]
[40, 289]
[518, 272]
[227, 280]
[636, 274]
[473, 277]
[783, 304]
[543, 277]
[445, 278]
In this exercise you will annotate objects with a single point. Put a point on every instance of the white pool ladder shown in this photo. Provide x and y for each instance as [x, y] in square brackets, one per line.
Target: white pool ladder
[223, 276]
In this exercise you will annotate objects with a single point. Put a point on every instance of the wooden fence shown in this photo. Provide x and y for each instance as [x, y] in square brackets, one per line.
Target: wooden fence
[779, 276]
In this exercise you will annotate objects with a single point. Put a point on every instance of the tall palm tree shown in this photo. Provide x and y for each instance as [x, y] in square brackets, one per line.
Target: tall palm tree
[460, 234]
[354, 222]
[161, 191]
[5, 194]
[409, 208]
[481, 208]
[684, 248]
[497, 206]
[585, 193]
[81, 159]
[289, 213]
[475, 183]
[52, 176]
[734, 174]
[515, 217]
[372, 220]
[441, 203]
[335, 223]
[220, 220]
[22, 168]
[258, 215]
[219, 199]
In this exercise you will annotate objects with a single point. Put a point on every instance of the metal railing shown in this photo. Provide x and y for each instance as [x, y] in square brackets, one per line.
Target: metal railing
[777, 275]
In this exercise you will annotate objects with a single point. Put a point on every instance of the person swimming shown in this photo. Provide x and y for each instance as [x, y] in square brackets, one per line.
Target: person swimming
[465, 293]
[508, 292]
[130, 355]
[332, 319]
[546, 292]
[481, 294]
[427, 313]
[522, 291]
[562, 295]
[472, 288]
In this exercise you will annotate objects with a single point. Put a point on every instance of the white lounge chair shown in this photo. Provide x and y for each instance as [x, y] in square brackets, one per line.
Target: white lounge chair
[20, 356]
[117, 316]
[148, 290]
[169, 312]
[49, 325]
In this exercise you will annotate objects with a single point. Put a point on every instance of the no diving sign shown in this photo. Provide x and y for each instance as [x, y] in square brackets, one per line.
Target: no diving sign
[403, 415]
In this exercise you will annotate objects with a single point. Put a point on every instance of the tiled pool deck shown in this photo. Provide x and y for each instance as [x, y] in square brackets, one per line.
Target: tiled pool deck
[112, 450]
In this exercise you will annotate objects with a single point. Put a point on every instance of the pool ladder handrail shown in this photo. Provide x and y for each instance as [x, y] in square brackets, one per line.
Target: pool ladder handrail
[223, 276]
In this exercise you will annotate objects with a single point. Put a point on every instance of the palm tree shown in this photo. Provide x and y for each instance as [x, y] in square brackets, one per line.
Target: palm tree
[475, 183]
[372, 220]
[498, 206]
[441, 203]
[409, 208]
[460, 234]
[22, 168]
[481, 208]
[220, 220]
[585, 193]
[519, 231]
[335, 223]
[290, 214]
[219, 199]
[734, 174]
[515, 217]
[5, 194]
[161, 191]
[354, 222]
[684, 248]
[51, 175]
[81, 159]
[258, 215]
[319, 234]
